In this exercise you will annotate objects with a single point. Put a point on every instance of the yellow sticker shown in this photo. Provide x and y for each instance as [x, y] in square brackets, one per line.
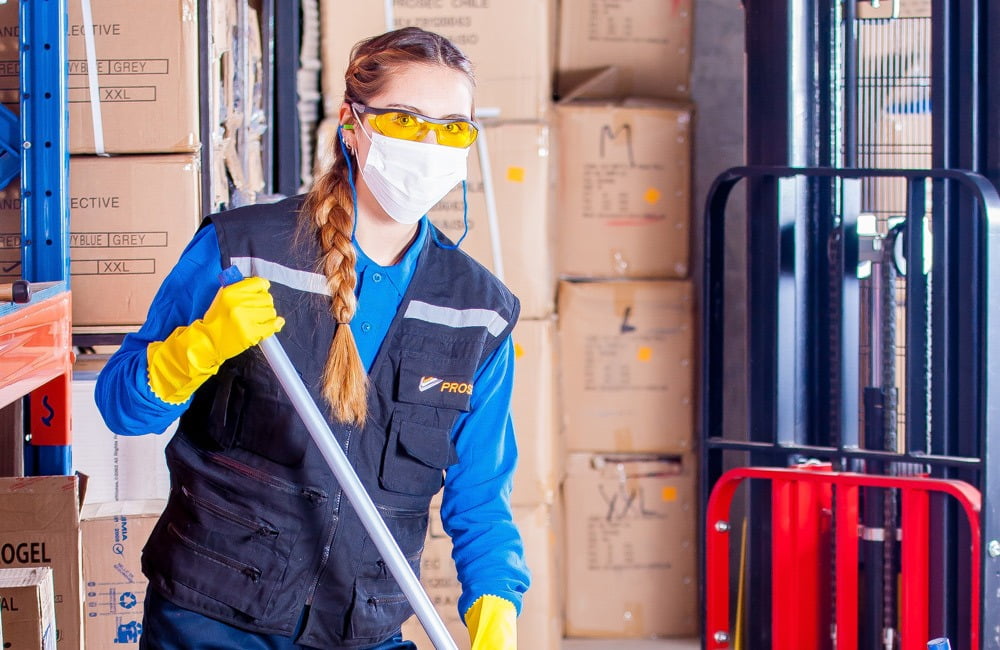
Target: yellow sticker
[645, 353]
[652, 195]
[515, 174]
[669, 494]
[518, 351]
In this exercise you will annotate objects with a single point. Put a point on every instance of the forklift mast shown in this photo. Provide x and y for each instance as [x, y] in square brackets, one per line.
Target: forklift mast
[872, 311]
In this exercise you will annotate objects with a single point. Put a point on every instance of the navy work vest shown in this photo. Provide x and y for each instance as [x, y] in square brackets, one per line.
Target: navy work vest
[256, 526]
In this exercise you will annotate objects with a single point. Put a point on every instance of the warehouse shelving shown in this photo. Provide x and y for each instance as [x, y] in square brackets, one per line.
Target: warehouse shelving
[35, 342]
[42, 147]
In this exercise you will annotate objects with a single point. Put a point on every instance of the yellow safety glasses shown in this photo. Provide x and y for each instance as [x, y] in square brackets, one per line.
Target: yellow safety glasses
[404, 125]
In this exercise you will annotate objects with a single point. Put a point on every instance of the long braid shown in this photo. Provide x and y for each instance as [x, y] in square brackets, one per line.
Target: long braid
[345, 382]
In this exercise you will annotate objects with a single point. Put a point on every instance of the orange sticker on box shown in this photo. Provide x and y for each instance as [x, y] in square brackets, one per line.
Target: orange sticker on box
[515, 174]
[669, 493]
[652, 195]
[645, 353]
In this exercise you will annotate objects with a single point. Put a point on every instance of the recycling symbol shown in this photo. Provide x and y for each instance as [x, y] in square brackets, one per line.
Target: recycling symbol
[127, 600]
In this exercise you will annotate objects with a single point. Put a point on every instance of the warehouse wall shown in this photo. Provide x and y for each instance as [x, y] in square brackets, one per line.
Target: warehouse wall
[717, 88]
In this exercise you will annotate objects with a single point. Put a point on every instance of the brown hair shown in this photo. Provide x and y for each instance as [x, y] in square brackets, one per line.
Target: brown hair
[328, 210]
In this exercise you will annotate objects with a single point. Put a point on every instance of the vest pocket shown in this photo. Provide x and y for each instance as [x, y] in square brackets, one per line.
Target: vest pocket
[230, 559]
[379, 606]
[415, 458]
[439, 380]
[272, 429]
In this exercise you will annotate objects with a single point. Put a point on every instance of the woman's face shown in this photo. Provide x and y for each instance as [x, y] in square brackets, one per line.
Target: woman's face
[432, 90]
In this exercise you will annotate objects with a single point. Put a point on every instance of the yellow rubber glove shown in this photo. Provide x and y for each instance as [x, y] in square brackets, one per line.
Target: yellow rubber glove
[492, 623]
[241, 315]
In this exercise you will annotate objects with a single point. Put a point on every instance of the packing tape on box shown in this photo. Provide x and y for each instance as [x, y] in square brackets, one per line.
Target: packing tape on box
[92, 81]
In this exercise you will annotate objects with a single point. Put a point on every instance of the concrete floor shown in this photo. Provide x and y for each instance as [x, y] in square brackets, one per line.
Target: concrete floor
[631, 644]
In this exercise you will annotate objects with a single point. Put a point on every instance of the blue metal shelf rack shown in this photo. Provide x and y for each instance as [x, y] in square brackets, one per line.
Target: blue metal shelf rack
[35, 338]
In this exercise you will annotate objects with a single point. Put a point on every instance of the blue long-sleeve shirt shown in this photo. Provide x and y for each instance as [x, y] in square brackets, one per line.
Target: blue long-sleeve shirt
[475, 510]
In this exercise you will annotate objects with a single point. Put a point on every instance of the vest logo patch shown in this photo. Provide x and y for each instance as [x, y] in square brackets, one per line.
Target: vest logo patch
[426, 383]
[456, 387]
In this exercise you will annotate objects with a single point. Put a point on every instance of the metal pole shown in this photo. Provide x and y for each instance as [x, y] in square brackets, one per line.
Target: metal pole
[486, 170]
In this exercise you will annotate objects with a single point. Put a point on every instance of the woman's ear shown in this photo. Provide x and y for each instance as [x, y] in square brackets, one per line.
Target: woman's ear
[346, 118]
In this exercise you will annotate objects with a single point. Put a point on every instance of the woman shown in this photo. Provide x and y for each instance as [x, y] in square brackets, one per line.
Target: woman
[401, 338]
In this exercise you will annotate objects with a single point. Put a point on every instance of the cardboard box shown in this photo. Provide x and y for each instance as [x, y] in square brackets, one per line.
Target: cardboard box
[27, 608]
[540, 625]
[130, 218]
[519, 159]
[631, 546]
[119, 468]
[533, 409]
[626, 365]
[40, 526]
[113, 536]
[508, 42]
[147, 64]
[624, 190]
[647, 44]
[12, 439]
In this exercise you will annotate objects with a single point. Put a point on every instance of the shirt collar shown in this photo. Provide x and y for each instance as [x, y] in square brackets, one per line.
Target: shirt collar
[399, 274]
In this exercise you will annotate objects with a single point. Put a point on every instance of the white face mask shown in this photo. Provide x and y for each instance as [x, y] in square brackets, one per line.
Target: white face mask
[408, 178]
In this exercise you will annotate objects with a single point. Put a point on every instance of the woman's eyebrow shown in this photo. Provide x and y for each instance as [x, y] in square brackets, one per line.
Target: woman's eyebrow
[414, 109]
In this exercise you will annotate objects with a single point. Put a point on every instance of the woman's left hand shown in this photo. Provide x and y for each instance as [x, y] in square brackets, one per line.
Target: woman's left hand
[492, 623]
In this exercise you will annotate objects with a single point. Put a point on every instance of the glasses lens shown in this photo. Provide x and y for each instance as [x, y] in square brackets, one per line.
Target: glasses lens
[456, 134]
[399, 125]
[405, 126]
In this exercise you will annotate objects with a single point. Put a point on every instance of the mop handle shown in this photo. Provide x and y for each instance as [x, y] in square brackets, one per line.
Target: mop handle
[351, 484]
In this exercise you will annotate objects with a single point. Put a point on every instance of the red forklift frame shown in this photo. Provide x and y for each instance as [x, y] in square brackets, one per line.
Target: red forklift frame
[804, 505]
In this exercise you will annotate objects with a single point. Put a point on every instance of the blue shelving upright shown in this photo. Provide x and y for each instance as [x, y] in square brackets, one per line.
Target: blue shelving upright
[36, 357]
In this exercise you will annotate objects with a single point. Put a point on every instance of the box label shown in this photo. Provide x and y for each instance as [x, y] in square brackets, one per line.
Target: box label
[118, 94]
[26, 553]
[113, 267]
[121, 66]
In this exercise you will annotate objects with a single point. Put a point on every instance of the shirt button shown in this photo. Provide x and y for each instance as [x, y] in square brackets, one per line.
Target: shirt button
[377, 277]
[366, 327]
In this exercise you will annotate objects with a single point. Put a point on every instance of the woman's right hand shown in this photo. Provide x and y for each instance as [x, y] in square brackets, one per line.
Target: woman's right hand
[241, 316]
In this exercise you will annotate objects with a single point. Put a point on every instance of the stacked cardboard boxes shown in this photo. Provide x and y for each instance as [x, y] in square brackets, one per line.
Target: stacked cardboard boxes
[509, 44]
[626, 314]
[129, 216]
[626, 351]
[40, 527]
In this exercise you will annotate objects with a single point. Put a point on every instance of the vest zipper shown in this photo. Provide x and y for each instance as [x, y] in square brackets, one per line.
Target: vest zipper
[333, 530]
[262, 530]
[314, 495]
[375, 601]
[247, 570]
